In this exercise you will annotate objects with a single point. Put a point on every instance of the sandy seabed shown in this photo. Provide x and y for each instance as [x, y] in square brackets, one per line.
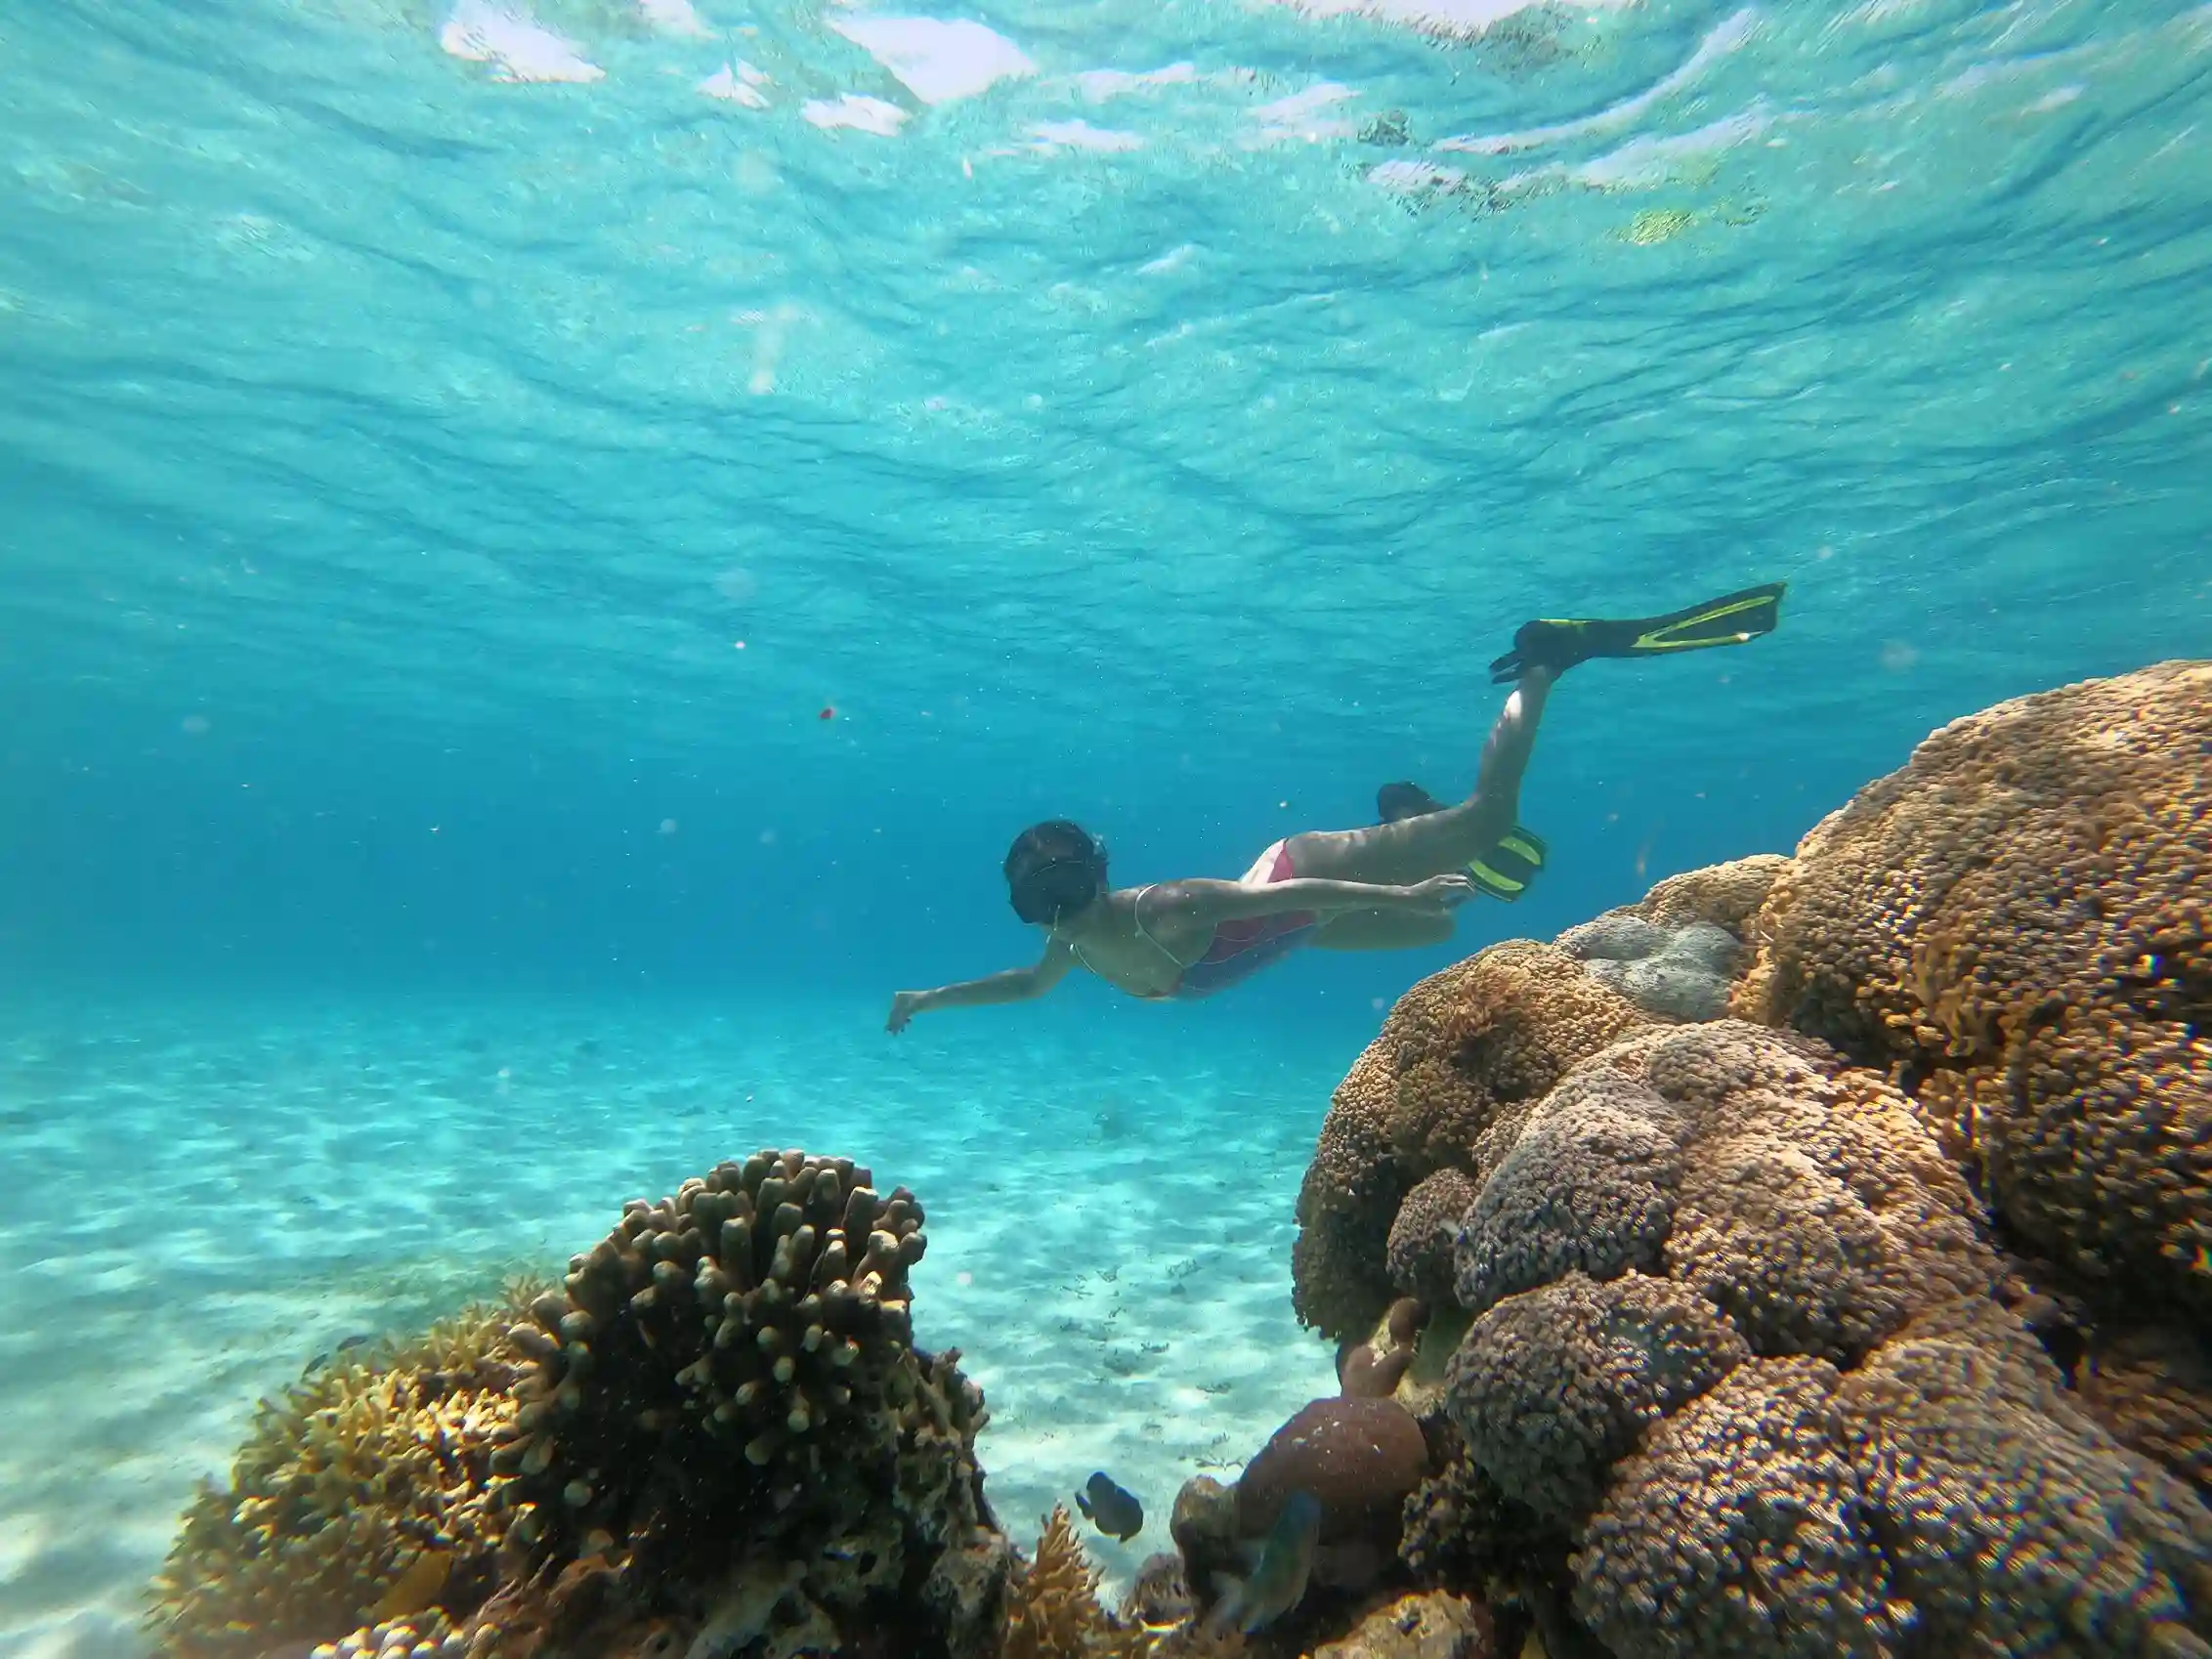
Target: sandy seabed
[194, 1203]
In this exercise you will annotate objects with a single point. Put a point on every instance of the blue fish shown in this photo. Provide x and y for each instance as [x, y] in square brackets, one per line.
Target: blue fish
[1111, 1509]
[1278, 1577]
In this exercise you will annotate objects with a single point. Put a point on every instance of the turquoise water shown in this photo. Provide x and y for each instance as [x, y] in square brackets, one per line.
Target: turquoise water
[454, 455]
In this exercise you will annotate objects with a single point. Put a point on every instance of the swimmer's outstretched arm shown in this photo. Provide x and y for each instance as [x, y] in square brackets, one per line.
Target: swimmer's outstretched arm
[1015, 984]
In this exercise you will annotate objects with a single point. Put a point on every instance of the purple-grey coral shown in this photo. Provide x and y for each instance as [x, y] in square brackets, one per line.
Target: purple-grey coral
[1750, 1360]
[1461, 1059]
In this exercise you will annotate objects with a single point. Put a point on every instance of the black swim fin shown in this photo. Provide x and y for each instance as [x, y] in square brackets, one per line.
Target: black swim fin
[1503, 872]
[1558, 644]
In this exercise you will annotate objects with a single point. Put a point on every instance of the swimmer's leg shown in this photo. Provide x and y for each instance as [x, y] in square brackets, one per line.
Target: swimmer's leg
[1413, 849]
[1381, 930]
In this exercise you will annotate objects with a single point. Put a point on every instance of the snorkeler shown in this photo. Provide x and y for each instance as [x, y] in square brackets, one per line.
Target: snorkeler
[1389, 886]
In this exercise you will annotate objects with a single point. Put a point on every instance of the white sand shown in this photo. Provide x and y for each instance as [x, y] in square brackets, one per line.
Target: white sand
[197, 1201]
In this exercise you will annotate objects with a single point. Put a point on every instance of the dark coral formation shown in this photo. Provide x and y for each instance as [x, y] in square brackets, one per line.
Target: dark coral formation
[1359, 1457]
[2152, 1387]
[1463, 1055]
[728, 1394]
[1754, 1396]
[369, 1484]
[2019, 922]
[719, 1440]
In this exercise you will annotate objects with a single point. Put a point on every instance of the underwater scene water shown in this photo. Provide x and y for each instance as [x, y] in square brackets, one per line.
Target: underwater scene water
[550, 546]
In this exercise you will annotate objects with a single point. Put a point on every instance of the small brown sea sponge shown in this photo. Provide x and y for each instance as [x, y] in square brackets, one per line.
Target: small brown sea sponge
[357, 1482]
[1461, 1058]
[1359, 1457]
[1553, 1385]
[2009, 1519]
[2019, 922]
[1739, 1527]
[732, 1331]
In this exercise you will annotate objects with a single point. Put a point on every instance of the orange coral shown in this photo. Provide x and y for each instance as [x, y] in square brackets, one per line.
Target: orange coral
[2019, 923]
[1052, 1608]
[368, 1487]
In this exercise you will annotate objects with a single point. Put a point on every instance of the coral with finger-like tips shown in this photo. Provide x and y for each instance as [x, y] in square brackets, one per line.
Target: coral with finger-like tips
[1725, 896]
[1461, 1059]
[2152, 1387]
[1419, 1250]
[728, 1386]
[732, 1333]
[2019, 923]
[367, 1492]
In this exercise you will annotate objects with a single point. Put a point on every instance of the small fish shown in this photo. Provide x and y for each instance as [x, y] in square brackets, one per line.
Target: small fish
[416, 1588]
[1110, 1509]
[1277, 1583]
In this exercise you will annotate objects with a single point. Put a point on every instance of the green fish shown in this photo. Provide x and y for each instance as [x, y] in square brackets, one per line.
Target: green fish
[1277, 1581]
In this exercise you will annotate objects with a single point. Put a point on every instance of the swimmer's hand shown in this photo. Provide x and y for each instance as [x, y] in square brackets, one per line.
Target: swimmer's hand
[1438, 892]
[903, 1007]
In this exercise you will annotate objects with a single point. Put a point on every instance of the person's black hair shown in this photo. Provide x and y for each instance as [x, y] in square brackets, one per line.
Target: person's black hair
[1053, 870]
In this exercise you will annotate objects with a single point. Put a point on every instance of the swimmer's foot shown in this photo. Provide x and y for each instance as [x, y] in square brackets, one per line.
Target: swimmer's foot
[1396, 803]
[1504, 873]
[1556, 644]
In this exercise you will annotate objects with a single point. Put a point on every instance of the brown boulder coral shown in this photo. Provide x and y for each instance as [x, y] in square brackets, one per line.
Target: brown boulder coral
[368, 1485]
[1738, 1348]
[1460, 1060]
[728, 1424]
[2017, 924]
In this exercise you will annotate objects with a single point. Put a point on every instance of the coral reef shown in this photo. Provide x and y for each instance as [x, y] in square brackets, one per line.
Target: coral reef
[718, 1440]
[1426, 1625]
[728, 1424]
[1460, 1058]
[1052, 1608]
[2019, 923]
[1358, 1457]
[1747, 1358]
[364, 1494]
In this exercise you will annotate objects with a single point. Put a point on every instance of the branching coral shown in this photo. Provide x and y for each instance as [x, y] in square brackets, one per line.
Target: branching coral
[1052, 1608]
[2020, 922]
[1461, 1059]
[729, 1383]
[369, 1480]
